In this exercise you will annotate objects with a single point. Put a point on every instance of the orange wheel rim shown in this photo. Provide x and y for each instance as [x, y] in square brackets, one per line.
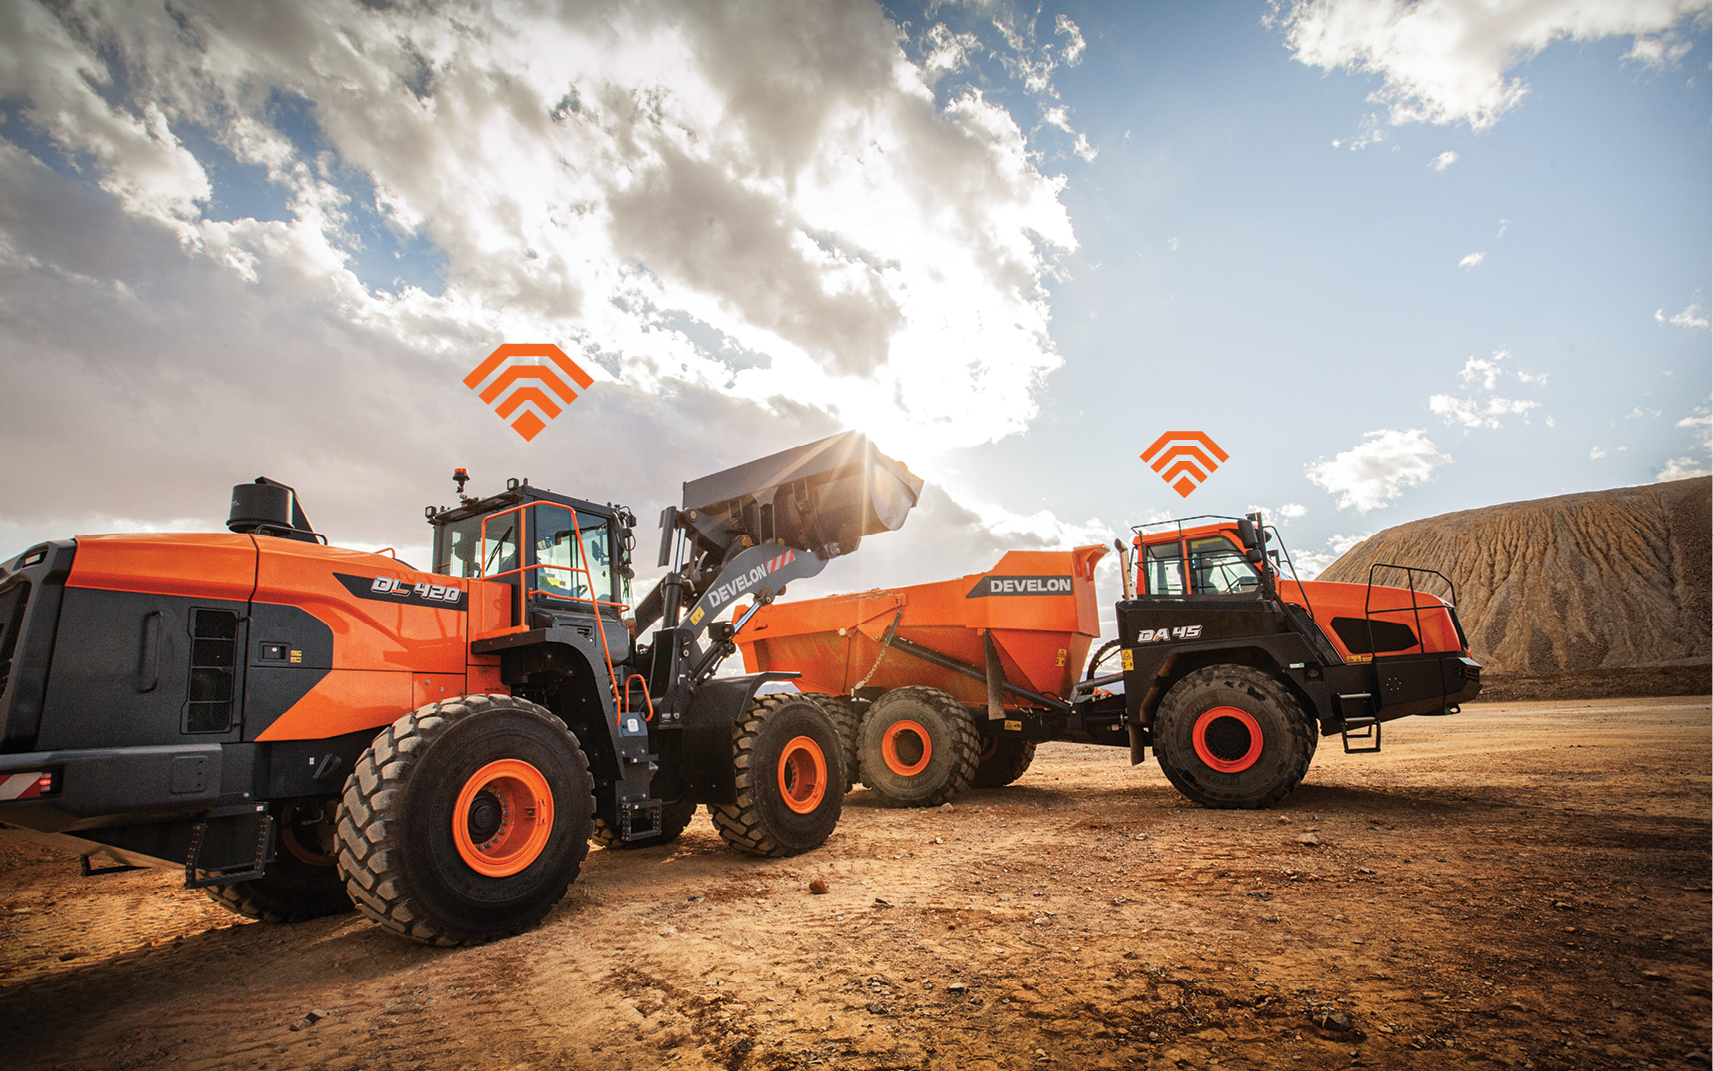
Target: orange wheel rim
[802, 775]
[906, 748]
[990, 750]
[503, 817]
[1228, 739]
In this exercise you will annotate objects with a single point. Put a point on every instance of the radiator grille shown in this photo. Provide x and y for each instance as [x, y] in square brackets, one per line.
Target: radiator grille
[213, 654]
[13, 602]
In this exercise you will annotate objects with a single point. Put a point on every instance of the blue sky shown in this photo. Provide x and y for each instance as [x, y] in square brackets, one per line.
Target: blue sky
[1396, 259]
[1239, 274]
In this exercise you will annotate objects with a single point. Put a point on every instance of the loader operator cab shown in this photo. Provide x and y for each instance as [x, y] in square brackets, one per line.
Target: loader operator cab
[559, 552]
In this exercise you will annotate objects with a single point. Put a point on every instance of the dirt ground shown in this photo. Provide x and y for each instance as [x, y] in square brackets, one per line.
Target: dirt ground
[1523, 885]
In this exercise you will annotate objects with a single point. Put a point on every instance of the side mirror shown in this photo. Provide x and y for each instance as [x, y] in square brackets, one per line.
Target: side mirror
[1246, 533]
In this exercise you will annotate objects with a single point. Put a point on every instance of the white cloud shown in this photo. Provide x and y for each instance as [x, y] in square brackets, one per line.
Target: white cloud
[1085, 150]
[1484, 374]
[1596, 454]
[754, 216]
[1279, 515]
[1477, 414]
[1690, 317]
[1075, 46]
[1682, 468]
[1372, 473]
[1638, 411]
[1311, 563]
[1487, 371]
[1504, 225]
[1443, 160]
[1473, 260]
[1447, 61]
[1372, 134]
[947, 52]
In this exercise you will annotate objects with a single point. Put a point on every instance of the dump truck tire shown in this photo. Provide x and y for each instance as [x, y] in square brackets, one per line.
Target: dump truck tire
[790, 767]
[917, 747]
[1002, 761]
[303, 881]
[1232, 737]
[466, 820]
[846, 722]
[673, 818]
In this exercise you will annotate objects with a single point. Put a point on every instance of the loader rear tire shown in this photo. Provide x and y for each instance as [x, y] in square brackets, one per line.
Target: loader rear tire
[846, 722]
[1231, 737]
[1002, 761]
[673, 818]
[466, 820]
[789, 771]
[918, 747]
[301, 883]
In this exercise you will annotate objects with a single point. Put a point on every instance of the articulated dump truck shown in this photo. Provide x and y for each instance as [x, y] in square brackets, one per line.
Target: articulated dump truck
[1229, 671]
[301, 728]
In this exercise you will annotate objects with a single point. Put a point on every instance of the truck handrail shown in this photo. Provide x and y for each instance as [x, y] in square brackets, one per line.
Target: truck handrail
[1410, 572]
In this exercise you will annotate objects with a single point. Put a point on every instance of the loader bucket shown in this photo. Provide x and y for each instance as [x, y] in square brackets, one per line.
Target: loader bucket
[834, 491]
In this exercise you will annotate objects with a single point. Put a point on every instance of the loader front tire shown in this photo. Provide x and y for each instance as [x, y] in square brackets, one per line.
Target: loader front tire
[302, 882]
[1232, 737]
[1002, 761]
[790, 770]
[674, 817]
[917, 747]
[466, 820]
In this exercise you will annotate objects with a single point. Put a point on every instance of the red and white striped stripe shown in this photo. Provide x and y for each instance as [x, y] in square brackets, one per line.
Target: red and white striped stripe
[782, 560]
[24, 786]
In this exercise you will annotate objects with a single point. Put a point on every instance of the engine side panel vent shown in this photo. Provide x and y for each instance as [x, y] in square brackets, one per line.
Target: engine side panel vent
[213, 662]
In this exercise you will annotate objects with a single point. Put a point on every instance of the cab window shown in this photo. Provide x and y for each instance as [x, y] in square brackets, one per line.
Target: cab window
[1163, 569]
[1217, 567]
[468, 548]
[563, 549]
[456, 551]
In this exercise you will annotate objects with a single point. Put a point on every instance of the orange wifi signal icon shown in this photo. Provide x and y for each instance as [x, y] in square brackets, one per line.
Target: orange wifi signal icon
[1176, 455]
[538, 401]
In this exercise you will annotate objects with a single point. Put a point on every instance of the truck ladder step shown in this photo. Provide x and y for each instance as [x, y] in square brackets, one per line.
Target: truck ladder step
[1369, 729]
[648, 810]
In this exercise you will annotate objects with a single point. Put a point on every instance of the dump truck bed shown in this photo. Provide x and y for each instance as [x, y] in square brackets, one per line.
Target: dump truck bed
[1039, 608]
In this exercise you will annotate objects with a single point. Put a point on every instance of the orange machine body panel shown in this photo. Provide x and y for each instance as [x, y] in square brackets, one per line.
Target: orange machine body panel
[400, 636]
[1039, 607]
[200, 566]
[390, 654]
[1329, 601]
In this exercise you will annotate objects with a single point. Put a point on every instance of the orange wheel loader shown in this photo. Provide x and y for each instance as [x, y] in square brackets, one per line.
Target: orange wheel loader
[301, 728]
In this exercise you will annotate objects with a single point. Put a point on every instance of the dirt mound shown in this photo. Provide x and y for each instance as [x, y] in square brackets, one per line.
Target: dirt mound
[1584, 584]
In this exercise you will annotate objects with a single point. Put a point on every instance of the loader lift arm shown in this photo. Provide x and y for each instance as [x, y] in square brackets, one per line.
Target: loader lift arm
[752, 529]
